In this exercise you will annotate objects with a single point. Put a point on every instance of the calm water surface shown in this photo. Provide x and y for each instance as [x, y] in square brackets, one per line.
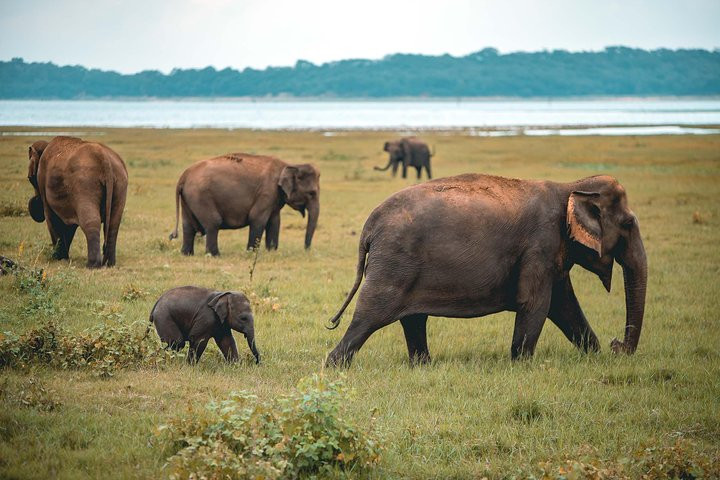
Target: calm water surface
[507, 116]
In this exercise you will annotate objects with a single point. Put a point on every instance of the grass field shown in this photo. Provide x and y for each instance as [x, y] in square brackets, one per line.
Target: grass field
[472, 412]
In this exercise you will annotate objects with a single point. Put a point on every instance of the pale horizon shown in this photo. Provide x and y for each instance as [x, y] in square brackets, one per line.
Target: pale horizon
[132, 36]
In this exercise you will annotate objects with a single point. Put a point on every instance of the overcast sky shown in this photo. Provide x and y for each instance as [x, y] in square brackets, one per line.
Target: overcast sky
[133, 35]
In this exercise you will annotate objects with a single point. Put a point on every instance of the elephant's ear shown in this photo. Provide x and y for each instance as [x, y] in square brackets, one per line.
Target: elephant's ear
[220, 303]
[36, 209]
[583, 218]
[288, 179]
[386, 147]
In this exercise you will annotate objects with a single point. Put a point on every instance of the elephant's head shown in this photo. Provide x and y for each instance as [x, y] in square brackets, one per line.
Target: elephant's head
[234, 309]
[300, 186]
[35, 205]
[398, 150]
[604, 230]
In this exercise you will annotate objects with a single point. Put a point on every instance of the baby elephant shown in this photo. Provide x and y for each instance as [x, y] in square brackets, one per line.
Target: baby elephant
[199, 314]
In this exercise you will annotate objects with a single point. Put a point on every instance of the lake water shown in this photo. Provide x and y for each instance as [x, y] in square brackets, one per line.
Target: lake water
[507, 117]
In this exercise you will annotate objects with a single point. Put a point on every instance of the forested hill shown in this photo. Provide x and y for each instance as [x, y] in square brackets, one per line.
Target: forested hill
[617, 71]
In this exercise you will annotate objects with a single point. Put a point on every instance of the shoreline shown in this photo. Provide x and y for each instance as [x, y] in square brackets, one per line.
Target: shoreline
[471, 131]
[325, 99]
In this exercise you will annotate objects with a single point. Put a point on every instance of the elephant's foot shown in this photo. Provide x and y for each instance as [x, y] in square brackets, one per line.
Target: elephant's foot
[338, 360]
[619, 347]
[420, 358]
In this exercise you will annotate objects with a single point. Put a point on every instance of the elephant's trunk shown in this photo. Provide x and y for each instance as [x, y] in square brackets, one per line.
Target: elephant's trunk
[250, 336]
[382, 169]
[634, 264]
[313, 209]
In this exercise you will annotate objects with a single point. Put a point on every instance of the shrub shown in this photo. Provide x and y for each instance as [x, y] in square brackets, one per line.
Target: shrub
[103, 349]
[299, 435]
[681, 460]
[31, 393]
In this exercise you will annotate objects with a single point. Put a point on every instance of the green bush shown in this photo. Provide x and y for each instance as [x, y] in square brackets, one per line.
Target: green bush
[299, 435]
[683, 460]
[102, 349]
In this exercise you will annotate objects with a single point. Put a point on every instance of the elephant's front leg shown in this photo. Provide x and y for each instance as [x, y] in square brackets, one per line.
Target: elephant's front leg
[272, 231]
[256, 230]
[565, 312]
[415, 329]
[227, 345]
[533, 303]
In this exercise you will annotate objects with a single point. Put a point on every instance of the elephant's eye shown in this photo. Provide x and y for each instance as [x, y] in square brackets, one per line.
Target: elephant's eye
[312, 193]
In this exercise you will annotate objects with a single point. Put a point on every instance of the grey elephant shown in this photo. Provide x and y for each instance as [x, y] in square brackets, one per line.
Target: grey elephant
[408, 152]
[78, 184]
[195, 315]
[240, 189]
[473, 245]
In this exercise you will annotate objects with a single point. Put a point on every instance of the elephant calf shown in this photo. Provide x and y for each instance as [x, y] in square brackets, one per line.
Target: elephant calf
[198, 314]
[410, 152]
[238, 190]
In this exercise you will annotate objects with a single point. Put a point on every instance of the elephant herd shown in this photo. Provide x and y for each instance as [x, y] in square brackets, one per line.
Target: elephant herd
[463, 246]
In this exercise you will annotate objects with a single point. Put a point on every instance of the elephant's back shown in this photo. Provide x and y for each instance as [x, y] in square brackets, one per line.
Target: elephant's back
[454, 205]
[232, 169]
[180, 300]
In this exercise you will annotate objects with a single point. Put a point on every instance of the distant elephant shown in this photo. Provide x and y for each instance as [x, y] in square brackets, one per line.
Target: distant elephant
[410, 152]
[198, 314]
[473, 245]
[78, 183]
[239, 189]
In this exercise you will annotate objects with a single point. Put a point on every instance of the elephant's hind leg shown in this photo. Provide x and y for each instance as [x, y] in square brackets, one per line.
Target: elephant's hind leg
[110, 247]
[170, 335]
[534, 295]
[211, 241]
[189, 232]
[62, 236]
[415, 329]
[91, 229]
[565, 312]
[369, 316]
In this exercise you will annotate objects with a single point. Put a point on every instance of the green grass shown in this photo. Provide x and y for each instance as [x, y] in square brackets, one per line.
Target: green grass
[472, 412]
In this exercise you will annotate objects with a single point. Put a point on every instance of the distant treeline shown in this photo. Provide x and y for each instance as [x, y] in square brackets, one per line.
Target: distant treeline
[487, 73]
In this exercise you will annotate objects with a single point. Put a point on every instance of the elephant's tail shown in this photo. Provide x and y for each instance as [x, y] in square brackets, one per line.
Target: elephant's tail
[178, 192]
[152, 321]
[108, 210]
[362, 252]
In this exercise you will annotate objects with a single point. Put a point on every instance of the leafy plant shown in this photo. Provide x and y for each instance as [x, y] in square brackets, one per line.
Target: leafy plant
[103, 349]
[131, 292]
[301, 434]
[31, 393]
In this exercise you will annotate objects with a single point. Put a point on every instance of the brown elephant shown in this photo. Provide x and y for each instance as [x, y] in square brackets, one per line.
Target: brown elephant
[240, 189]
[410, 152]
[473, 245]
[197, 314]
[78, 183]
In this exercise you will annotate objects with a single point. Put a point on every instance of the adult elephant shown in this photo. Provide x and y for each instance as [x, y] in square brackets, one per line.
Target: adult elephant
[78, 183]
[473, 245]
[408, 152]
[238, 190]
